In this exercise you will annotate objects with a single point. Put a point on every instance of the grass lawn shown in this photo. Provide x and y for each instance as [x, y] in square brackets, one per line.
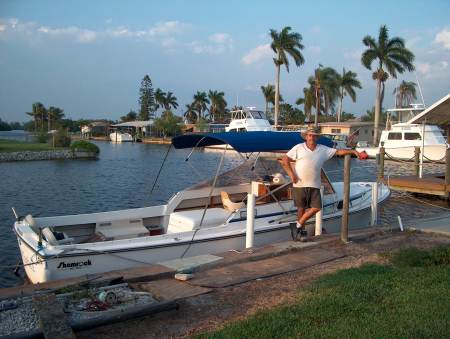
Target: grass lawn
[16, 146]
[410, 298]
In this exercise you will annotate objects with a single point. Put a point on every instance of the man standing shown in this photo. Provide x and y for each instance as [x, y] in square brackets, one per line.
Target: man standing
[309, 158]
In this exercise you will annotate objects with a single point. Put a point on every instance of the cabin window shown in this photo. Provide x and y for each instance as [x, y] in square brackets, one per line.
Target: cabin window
[232, 130]
[335, 130]
[412, 136]
[394, 136]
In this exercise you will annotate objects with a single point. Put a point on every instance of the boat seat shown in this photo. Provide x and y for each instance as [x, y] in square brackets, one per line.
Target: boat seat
[121, 229]
[56, 238]
[228, 204]
[184, 221]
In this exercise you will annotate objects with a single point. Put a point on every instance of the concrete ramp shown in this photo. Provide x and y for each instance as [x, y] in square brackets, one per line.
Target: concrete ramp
[247, 271]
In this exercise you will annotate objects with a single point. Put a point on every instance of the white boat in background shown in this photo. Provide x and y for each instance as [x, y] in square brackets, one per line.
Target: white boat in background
[248, 119]
[340, 140]
[119, 136]
[402, 137]
[70, 246]
[401, 140]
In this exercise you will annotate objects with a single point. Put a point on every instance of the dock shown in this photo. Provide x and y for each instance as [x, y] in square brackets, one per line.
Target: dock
[216, 275]
[437, 184]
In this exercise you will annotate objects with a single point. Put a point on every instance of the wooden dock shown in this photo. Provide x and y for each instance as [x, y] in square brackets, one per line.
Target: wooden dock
[429, 184]
[433, 184]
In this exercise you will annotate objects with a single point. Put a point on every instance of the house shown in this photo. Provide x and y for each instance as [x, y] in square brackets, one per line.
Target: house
[363, 128]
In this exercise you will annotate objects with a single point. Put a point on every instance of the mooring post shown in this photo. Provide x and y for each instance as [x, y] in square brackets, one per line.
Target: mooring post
[319, 216]
[380, 162]
[447, 170]
[374, 204]
[250, 220]
[417, 160]
[346, 199]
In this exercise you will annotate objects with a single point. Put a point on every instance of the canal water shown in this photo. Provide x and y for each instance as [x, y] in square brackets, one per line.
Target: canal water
[123, 177]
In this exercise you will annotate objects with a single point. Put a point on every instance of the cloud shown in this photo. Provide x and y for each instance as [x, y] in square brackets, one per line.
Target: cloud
[423, 68]
[168, 28]
[314, 49]
[443, 38]
[218, 43]
[257, 54]
[80, 35]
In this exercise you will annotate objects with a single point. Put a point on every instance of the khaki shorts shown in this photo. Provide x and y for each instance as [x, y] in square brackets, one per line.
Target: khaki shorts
[307, 197]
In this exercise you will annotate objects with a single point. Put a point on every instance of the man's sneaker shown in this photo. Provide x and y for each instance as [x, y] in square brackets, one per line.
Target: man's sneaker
[303, 235]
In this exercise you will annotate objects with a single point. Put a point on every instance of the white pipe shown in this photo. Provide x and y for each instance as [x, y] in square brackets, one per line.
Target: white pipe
[400, 223]
[422, 150]
[319, 216]
[374, 204]
[250, 220]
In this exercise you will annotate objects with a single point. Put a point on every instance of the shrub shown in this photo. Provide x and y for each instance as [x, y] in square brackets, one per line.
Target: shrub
[59, 139]
[42, 137]
[83, 145]
[413, 257]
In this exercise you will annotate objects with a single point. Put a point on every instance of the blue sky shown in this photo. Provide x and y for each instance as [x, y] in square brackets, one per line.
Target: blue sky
[88, 57]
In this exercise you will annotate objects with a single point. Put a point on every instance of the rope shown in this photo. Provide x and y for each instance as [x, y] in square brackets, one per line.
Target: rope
[440, 161]
[160, 169]
[397, 159]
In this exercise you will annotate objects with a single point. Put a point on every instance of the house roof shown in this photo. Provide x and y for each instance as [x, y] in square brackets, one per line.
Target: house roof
[137, 123]
[346, 124]
[438, 113]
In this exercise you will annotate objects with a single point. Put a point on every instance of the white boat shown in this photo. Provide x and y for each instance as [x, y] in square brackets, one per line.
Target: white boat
[119, 136]
[340, 140]
[401, 140]
[74, 245]
[248, 119]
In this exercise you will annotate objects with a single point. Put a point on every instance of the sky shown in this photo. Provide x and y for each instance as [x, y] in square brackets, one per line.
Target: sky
[89, 57]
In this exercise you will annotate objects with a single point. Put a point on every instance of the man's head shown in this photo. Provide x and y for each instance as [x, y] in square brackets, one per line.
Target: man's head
[311, 135]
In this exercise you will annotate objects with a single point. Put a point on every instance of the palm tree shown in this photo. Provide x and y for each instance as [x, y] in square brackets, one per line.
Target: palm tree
[170, 101]
[347, 82]
[160, 98]
[394, 56]
[269, 95]
[285, 43]
[406, 92]
[200, 102]
[55, 114]
[39, 113]
[218, 104]
[323, 91]
[191, 113]
[308, 103]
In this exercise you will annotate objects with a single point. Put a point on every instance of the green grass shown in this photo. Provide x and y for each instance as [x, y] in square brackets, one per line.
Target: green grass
[17, 146]
[408, 299]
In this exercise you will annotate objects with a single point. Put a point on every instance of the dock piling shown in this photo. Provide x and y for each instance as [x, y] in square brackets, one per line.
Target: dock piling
[380, 162]
[346, 199]
[319, 216]
[250, 220]
[374, 204]
[447, 170]
[417, 160]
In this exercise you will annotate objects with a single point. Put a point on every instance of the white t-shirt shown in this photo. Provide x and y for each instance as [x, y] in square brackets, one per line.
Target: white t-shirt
[308, 164]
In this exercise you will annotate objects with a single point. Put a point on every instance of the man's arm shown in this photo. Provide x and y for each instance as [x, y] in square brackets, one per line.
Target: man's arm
[286, 163]
[341, 152]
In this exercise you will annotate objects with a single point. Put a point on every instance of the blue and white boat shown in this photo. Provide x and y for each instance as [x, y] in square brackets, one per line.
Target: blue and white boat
[207, 218]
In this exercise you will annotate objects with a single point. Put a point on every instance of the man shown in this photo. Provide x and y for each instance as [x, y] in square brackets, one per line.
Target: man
[309, 158]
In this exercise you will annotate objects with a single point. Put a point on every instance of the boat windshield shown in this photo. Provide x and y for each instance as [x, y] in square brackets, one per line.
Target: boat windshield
[263, 170]
[258, 115]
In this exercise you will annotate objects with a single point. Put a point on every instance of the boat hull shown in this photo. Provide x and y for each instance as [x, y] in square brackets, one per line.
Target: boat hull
[74, 265]
[434, 153]
[120, 137]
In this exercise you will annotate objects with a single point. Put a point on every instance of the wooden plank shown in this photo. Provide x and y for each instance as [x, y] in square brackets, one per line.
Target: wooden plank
[241, 273]
[52, 320]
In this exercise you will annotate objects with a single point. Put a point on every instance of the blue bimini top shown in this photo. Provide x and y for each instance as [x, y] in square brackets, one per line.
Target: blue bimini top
[246, 142]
